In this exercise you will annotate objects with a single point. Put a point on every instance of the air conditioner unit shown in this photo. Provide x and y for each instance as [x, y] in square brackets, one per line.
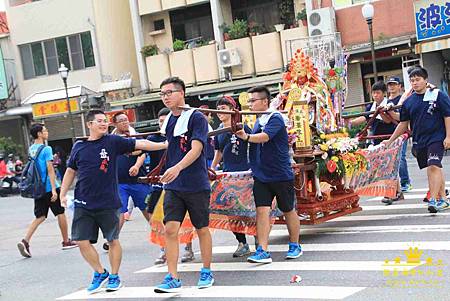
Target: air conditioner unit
[321, 21]
[228, 57]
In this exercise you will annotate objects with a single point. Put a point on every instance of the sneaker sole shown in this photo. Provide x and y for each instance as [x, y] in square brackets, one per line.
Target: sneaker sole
[113, 289]
[169, 290]
[206, 286]
[69, 247]
[99, 288]
[267, 260]
[23, 250]
[184, 260]
[242, 255]
[293, 257]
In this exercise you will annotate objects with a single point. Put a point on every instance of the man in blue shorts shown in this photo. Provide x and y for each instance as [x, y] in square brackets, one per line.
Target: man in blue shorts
[97, 202]
[428, 113]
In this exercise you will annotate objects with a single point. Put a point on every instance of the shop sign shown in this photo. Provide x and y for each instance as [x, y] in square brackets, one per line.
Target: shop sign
[432, 18]
[129, 112]
[53, 108]
[3, 82]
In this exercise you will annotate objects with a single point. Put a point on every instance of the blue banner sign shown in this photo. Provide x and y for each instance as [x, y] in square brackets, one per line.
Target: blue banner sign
[432, 19]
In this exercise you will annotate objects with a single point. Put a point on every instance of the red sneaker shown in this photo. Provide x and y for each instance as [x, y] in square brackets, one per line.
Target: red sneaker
[68, 245]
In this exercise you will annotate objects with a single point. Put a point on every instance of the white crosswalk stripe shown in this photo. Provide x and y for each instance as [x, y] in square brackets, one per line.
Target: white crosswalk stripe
[343, 259]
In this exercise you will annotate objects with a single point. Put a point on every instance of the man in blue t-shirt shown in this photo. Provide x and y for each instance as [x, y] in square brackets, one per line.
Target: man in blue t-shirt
[97, 202]
[51, 199]
[129, 168]
[233, 152]
[272, 173]
[427, 112]
[186, 183]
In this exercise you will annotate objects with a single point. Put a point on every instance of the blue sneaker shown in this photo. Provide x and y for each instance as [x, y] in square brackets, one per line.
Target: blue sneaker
[442, 205]
[169, 285]
[206, 278]
[432, 206]
[98, 281]
[114, 283]
[295, 251]
[260, 256]
[406, 187]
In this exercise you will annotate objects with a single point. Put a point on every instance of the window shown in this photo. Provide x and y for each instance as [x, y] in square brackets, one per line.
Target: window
[192, 22]
[42, 58]
[345, 3]
[263, 13]
[159, 24]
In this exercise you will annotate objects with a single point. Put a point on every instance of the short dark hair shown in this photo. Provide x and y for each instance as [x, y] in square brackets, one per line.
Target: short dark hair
[35, 129]
[114, 118]
[163, 112]
[260, 89]
[174, 80]
[419, 72]
[225, 101]
[91, 114]
[379, 86]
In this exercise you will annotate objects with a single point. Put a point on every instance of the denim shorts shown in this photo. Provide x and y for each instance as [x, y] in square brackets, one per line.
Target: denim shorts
[86, 223]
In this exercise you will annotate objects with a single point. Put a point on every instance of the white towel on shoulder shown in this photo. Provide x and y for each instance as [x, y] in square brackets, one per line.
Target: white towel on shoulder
[181, 127]
[264, 119]
[374, 107]
[431, 95]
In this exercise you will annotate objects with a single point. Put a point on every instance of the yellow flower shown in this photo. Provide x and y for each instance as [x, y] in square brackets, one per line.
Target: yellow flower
[324, 147]
[322, 136]
[335, 159]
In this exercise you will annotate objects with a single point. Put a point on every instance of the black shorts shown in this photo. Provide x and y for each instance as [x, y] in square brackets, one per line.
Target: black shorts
[431, 155]
[283, 191]
[176, 204]
[86, 223]
[152, 200]
[42, 205]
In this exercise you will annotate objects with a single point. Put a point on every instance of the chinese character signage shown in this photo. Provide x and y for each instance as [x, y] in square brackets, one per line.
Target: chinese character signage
[52, 108]
[432, 18]
[129, 112]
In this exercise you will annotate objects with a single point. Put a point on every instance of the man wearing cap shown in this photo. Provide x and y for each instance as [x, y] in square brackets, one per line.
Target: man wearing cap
[395, 92]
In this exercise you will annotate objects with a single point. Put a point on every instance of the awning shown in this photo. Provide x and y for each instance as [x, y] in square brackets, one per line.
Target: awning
[115, 85]
[16, 111]
[431, 46]
[392, 42]
[216, 88]
[44, 96]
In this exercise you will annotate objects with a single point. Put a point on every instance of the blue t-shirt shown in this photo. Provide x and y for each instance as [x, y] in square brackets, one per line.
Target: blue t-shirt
[270, 161]
[96, 164]
[124, 163]
[45, 156]
[379, 127]
[234, 151]
[194, 178]
[155, 156]
[426, 128]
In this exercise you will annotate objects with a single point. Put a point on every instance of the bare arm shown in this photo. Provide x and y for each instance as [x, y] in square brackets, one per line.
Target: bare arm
[150, 145]
[400, 129]
[447, 131]
[134, 170]
[358, 120]
[173, 172]
[69, 176]
[217, 158]
[253, 138]
[52, 175]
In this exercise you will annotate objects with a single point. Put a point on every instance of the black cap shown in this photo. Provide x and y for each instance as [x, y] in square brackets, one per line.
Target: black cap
[393, 80]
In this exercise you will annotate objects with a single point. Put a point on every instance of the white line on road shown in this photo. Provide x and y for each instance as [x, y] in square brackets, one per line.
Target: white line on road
[351, 218]
[407, 196]
[364, 246]
[284, 266]
[245, 291]
[395, 207]
[366, 229]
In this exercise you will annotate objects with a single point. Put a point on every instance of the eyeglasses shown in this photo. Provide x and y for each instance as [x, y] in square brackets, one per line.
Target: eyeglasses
[100, 121]
[167, 93]
[252, 100]
[122, 120]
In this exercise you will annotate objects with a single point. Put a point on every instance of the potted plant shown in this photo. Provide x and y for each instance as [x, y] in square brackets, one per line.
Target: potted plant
[287, 16]
[301, 17]
[238, 30]
[182, 62]
[149, 50]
